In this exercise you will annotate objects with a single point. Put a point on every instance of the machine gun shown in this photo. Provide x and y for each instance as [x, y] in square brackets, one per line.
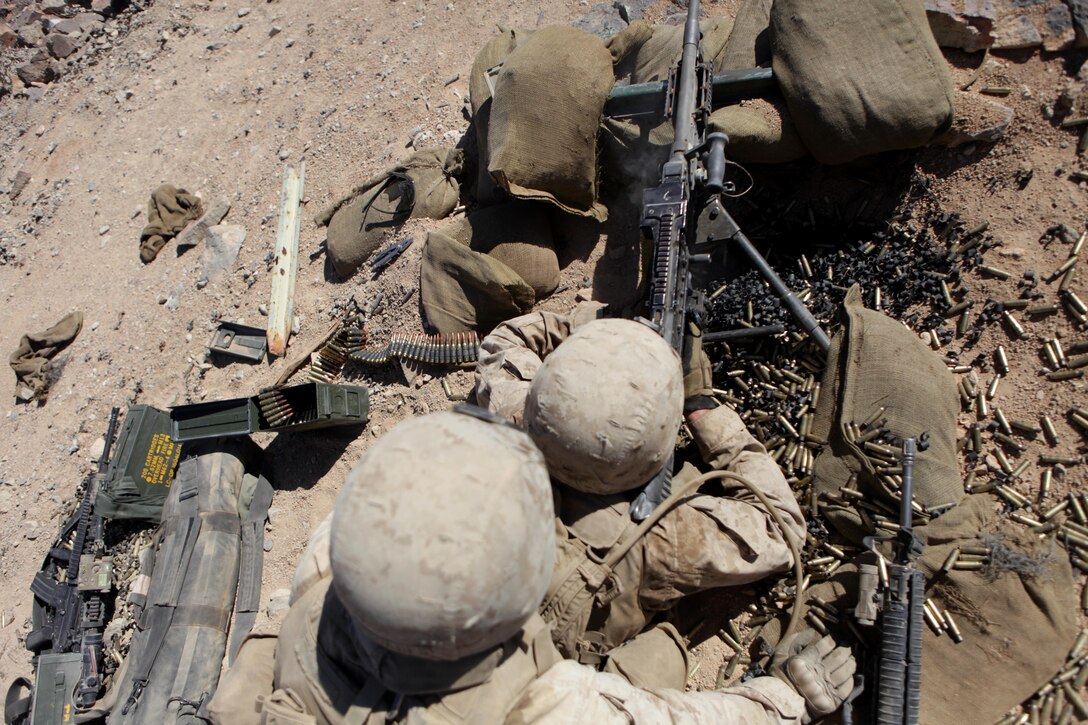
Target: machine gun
[896, 593]
[687, 202]
[69, 611]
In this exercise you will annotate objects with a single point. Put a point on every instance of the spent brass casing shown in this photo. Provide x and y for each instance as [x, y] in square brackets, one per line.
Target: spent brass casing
[953, 630]
[995, 272]
[1013, 323]
[1048, 430]
[1002, 421]
[1001, 360]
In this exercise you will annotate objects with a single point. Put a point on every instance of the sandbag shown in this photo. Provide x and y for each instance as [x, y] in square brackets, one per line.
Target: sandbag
[460, 289]
[424, 185]
[652, 57]
[749, 43]
[760, 131]
[178, 649]
[518, 234]
[492, 54]
[542, 134]
[1017, 615]
[877, 362]
[860, 78]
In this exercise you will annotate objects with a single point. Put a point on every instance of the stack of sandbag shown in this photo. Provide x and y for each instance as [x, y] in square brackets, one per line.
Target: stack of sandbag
[856, 79]
[543, 119]
[488, 267]
[425, 185]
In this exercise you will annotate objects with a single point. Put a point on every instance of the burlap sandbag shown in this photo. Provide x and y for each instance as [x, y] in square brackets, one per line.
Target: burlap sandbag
[760, 131]
[465, 290]
[518, 234]
[860, 78]
[652, 56]
[1018, 623]
[422, 186]
[749, 45]
[542, 134]
[877, 362]
[492, 54]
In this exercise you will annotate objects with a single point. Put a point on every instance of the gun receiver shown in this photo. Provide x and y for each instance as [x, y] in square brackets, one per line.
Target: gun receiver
[692, 180]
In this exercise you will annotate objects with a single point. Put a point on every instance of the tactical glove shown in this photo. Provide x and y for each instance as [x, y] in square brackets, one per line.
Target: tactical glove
[819, 671]
[698, 380]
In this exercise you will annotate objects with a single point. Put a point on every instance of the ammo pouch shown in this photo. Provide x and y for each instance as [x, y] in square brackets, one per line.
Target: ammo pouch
[585, 582]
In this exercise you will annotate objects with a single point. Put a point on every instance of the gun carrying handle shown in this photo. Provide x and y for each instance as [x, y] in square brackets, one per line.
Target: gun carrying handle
[715, 162]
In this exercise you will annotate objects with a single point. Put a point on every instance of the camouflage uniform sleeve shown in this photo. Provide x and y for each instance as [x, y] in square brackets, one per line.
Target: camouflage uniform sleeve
[570, 692]
[513, 352]
[250, 678]
[728, 539]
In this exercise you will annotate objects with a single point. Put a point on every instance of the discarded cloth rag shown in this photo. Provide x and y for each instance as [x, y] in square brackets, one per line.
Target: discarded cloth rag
[168, 212]
[31, 359]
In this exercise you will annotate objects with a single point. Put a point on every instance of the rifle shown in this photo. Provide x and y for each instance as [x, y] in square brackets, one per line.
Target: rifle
[687, 202]
[897, 593]
[69, 611]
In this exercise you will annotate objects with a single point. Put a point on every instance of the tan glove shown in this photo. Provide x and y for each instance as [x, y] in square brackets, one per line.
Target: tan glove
[698, 378]
[819, 671]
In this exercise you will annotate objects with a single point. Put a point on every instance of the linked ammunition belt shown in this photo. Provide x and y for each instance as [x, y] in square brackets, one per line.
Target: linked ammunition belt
[281, 406]
[328, 362]
[454, 348]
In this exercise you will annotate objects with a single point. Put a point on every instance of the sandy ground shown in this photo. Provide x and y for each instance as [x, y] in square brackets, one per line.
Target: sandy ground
[341, 85]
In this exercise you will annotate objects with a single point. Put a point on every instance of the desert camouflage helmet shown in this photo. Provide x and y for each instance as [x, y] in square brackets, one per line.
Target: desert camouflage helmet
[443, 536]
[605, 407]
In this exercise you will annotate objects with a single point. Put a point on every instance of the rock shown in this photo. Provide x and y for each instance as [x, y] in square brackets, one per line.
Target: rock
[216, 45]
[964, 24]
[1016, 32]
[233, 28]
[31, 35]
[68, 26]
[53, 7]
[242, 12]
[103, 229]
[1059, 33]
[267, 542]
[977, 119]
[8, 37]
[174, 300]
[7, 500]
[1079, 10]
[97, 449]
[61, 46]
[104, 7]
[123, 96]
[191, 235]
[89, 22]
[222, 243]
[25, 17]
[284, 154]
[602, 20]
[279, 601]
[263, 309]
[33, 531]
[276, 30]
[22, 178]
[37, 70]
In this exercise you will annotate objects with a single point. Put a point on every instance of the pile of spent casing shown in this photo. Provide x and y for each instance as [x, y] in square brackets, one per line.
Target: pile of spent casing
[919, 272]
